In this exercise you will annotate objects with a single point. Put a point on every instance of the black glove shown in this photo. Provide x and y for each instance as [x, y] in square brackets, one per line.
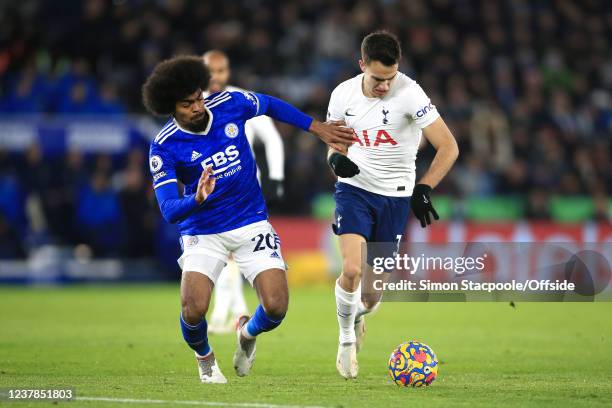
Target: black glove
[421, 204]
[342, 165]
[275, 191]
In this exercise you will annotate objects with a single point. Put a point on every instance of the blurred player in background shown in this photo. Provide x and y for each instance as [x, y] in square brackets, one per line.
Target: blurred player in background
[376, 176]
[229, 301]
[222, 209]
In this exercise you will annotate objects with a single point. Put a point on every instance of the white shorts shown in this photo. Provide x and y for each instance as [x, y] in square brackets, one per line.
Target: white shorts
[256, 248]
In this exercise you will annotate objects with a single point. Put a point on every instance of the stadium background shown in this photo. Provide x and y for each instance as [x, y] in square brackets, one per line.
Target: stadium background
[524, 86]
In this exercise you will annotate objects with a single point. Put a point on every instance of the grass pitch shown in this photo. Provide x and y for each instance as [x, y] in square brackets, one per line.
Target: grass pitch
[124, 342]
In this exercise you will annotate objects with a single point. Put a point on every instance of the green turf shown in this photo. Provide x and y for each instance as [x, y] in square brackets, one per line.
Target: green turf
[124, 342]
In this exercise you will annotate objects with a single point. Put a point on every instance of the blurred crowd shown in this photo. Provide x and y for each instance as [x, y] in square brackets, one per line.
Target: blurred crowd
[523, 85]
[101, 201]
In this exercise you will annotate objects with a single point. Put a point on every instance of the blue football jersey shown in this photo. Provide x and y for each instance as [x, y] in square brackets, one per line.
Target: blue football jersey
[178, 154]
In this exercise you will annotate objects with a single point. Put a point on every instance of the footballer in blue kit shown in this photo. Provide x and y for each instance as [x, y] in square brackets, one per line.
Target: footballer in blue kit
[222, 211]
[178, 153]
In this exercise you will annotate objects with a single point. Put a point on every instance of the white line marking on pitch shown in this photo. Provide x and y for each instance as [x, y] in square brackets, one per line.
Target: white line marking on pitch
[203, 403]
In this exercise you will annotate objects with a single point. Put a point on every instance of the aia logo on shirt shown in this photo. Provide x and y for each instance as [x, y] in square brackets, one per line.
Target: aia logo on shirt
[366, 140]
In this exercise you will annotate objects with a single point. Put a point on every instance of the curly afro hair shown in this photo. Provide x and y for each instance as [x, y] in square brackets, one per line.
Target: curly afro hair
[171, 81]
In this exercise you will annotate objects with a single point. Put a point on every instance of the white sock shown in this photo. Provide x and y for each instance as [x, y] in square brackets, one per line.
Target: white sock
[245, 333]
[346, 308]
[199, 357]
[362, 310]
[223, 298]
[238, 305]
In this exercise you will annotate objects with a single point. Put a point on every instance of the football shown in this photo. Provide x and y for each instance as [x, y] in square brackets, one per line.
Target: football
[413, 364]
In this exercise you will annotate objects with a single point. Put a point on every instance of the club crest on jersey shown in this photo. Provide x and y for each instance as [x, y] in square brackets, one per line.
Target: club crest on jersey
[231, 130]
[385, 112]
[155, 163]
[192, 240]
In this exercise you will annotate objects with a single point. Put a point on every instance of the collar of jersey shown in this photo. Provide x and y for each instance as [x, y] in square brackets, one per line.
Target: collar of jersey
[205, 132]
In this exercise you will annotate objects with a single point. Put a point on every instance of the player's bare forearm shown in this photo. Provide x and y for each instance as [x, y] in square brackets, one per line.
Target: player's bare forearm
[334, 133]
[447, 151]
[443, 161]
[331, 151]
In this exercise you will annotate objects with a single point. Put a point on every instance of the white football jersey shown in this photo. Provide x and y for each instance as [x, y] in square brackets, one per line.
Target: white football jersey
[387, 133]
[262, 127]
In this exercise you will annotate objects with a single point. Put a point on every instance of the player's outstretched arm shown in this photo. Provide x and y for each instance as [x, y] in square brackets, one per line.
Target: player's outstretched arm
[334, 133]
[447, 151]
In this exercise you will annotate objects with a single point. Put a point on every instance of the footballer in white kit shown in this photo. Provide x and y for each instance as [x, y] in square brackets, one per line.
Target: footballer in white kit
[229, 302]
[387, 133]
[376, 188]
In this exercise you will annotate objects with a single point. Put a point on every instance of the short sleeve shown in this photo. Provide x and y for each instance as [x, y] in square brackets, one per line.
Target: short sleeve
[420, 108]
[335, 107]
[161, 166]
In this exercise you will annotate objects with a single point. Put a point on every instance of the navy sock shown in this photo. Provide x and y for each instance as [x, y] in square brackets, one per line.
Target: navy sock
[196, 336]
[262, 322]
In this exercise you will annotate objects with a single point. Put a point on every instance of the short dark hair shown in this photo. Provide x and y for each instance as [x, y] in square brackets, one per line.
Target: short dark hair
[381, 46]
[171, 81]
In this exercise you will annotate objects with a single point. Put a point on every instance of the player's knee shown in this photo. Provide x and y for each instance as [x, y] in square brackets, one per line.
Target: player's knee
[193, 309]
[351, 269]
[276, 306]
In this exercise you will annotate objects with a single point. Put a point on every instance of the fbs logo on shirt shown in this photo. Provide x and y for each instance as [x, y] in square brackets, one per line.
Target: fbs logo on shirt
[223, 159]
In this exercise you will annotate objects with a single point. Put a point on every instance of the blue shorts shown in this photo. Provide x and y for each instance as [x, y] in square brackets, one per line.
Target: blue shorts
[376, 217]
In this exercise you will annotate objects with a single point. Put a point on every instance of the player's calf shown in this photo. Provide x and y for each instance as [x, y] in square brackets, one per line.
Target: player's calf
[195, 296]
[196, 336]
[196, 290]
[351, 274]
[194, 326]
[263, 321]
[275, 306]
[370, 301]
[193, 310]
[271, 286]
